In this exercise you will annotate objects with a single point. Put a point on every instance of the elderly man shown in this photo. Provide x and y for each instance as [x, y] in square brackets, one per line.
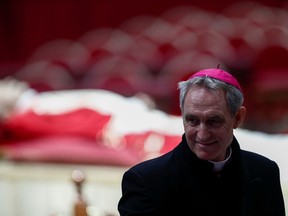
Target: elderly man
[206, 173]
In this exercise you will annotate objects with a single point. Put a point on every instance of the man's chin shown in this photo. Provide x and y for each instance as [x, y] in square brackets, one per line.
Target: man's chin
[205, 156]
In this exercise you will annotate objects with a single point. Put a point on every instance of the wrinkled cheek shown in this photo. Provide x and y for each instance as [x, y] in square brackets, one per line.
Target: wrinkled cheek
[190, 136]
[190, 132]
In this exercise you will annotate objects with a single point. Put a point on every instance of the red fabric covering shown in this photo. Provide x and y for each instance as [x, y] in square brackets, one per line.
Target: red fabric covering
[82, 122]
[151, 142]
[71, 137]
[67, 149]
[75, 137]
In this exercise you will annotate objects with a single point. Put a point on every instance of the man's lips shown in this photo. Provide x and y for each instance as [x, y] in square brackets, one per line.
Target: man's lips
[206, 144]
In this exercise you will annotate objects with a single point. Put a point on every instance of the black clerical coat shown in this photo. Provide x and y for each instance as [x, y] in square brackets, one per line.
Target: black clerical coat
[179, 184]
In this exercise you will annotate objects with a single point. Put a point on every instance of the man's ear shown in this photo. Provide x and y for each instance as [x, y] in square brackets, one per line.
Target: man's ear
[239, 118]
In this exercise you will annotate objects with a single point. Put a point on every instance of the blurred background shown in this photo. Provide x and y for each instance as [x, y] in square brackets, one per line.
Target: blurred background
[151, 43]
[131, 47]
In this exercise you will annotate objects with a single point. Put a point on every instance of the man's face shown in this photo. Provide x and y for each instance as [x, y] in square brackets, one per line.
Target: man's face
[208, 123]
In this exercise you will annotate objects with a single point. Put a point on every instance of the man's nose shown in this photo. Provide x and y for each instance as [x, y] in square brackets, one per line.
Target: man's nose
[203, 132]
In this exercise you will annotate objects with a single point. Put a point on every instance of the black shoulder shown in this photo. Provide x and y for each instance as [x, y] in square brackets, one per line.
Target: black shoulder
[258, 162]
[153, 162]
[248, 155]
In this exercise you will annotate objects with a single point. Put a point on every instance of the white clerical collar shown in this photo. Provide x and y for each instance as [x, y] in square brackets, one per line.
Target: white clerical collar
[218, 166]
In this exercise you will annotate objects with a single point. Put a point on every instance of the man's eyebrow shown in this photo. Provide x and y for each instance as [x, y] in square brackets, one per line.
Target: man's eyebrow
[190, 115]
[217, 117]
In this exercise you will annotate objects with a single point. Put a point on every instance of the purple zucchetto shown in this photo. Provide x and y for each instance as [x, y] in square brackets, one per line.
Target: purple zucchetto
[220, 75]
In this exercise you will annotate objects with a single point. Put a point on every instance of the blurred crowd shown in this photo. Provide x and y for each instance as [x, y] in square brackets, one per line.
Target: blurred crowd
[151, 54]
